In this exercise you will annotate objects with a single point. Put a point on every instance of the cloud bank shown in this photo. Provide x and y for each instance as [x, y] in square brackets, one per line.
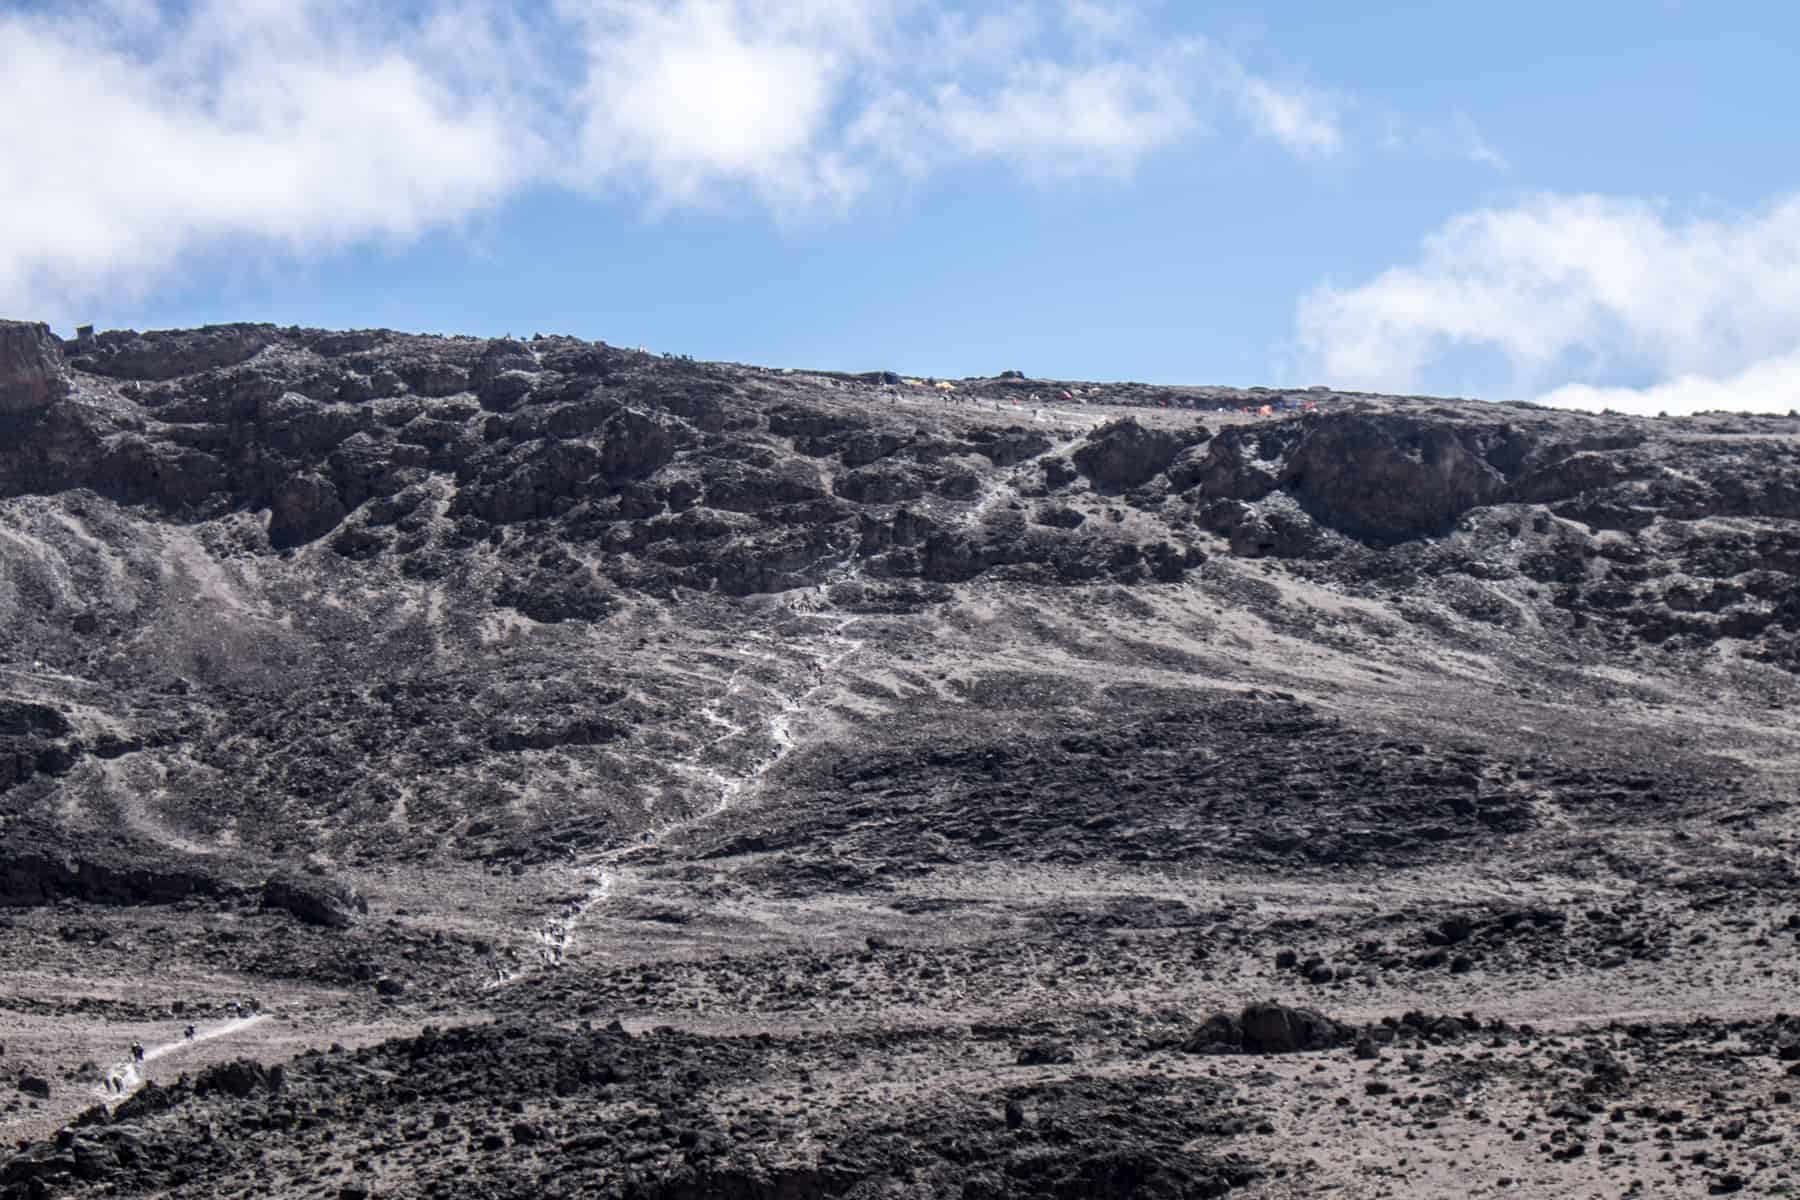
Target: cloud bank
[1583, 288]
[143, 133]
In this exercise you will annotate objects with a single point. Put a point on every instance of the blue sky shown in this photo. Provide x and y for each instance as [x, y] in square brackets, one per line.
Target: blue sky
[1592, 205]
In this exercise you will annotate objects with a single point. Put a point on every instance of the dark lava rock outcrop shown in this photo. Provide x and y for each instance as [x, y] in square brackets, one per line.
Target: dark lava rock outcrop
[664, 472]
[1124, 454]
[316, 901]
[42, 864]
[1272, 1029]
[31, 368]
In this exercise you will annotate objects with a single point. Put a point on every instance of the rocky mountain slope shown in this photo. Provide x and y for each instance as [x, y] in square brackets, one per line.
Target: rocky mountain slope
[616, 774]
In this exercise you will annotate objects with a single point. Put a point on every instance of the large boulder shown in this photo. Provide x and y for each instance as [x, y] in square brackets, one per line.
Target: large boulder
[1243, 463]
[170, 354]
[306, 508]
[240, 1077]
[151, 1099]
[1278, 1029]
[31, 744]
[869, 445]
[22, 718]
[1390, 478]
[31, 367]
[1124, 454]
[324, 902]
[1268, 1028]
[1011, 447]
[633, 445]
[879, 485]
[504, 375]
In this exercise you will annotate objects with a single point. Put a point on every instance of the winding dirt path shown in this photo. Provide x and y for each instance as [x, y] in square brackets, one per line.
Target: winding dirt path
[555, 937]
[123, 1078]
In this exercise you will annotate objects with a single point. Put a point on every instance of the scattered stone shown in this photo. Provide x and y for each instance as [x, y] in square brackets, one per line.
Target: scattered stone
[1045, 1054]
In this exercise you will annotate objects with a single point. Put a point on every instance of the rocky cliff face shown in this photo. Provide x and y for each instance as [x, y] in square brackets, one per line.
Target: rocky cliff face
[654, 473]
[649, 473]
[173, 496]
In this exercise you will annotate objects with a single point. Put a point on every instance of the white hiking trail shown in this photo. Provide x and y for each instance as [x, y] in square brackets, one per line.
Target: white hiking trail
[556, 935]
[130, 1078]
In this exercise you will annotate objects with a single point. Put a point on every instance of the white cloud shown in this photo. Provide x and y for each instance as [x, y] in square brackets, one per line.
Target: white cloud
[1769, 386]
[141, 134]
[1300, 118]
[1578, 289]
[1049, 119]
[1458, 136]
[690, 101]
[1100, 23]
[279, 123]
[808, 105]
[1469, 142]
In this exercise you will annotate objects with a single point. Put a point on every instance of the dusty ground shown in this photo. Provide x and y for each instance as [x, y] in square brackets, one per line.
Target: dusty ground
[846, 792]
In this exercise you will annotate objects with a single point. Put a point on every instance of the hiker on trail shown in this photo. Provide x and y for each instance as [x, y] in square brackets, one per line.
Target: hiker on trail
[190, 1033]
[137, 1051]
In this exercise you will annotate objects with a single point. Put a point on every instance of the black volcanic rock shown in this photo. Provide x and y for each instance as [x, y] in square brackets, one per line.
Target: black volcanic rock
[633, 445]
[240, 1077]
[31, 368]
[22, 719]
[877, 485]
[1124, 454]
[329, 903]
[44, 866]
[304, 508]
[169, 354]
[1279, 1029]
[1390, 478]
[1241, 463]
